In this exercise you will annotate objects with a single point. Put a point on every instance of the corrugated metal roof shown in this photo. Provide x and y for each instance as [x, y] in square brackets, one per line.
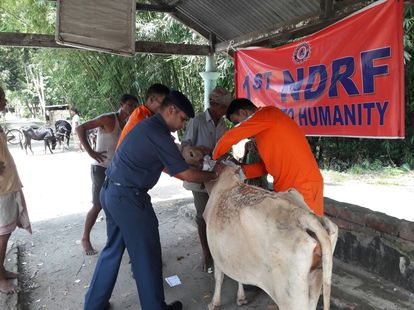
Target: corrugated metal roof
[232, 18]
[241, 23]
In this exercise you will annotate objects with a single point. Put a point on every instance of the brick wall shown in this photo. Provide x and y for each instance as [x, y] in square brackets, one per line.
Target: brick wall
[375, 241]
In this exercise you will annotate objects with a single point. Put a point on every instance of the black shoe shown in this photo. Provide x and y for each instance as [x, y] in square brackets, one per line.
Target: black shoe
[175, 305]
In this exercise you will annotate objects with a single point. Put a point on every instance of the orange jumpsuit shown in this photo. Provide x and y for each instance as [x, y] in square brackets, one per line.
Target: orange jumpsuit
[285, 152]
[136, 116]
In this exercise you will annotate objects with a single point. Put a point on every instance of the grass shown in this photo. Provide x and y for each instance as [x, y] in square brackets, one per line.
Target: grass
[372, 174]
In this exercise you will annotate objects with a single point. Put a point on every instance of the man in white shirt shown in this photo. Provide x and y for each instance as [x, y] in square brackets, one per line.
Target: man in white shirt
[205, 129]
[75, 123]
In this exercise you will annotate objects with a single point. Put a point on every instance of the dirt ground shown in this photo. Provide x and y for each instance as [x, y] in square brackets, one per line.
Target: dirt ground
[56, 273]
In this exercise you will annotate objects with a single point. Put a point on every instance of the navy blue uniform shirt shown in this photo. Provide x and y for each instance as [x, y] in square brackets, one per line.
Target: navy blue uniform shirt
[143, 154]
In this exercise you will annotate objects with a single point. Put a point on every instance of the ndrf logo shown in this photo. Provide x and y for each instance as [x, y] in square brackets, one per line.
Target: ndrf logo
[301, 53]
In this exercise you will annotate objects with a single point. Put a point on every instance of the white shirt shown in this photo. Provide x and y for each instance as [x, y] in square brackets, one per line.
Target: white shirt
[75, 121]
[106, 142]
[201, 130]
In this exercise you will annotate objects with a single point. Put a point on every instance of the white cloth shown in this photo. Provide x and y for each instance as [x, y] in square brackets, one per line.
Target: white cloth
[106, 142]
[75, 122]
[13, 213]
[9, 179]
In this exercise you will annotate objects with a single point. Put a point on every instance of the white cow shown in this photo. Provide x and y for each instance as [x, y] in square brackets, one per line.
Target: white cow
[270, 240]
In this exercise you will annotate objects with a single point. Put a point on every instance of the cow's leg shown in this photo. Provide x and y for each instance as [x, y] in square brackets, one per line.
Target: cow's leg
[47, 144]
[241, 297]
[25, 145]
[218, 277]
[29, 144]
[295, 295]
[25, 142]
[62, 142]
[315, 286]
[291, 278]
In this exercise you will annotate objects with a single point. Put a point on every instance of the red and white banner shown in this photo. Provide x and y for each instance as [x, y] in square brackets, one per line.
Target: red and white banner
[345, 80]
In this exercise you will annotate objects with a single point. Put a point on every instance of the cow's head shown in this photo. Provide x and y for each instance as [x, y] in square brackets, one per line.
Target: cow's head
[194, 155]
[60, 130]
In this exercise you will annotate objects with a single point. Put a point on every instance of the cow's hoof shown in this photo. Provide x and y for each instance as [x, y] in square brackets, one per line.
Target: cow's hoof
[211, 306]
[241, 302]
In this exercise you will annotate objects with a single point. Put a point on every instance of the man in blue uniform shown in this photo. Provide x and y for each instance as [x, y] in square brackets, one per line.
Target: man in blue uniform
[131, 220]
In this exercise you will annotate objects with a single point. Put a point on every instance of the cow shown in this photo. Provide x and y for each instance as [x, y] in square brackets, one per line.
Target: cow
[270, 240]
[267, 239]
[36, 133]
[63, 130]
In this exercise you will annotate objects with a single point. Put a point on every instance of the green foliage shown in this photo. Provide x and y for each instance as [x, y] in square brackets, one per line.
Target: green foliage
[11, 64]
[93, 82]
[27, 16]
[366, 165]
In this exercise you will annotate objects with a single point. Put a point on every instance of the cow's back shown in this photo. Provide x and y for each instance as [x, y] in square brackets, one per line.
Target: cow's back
[253, 233]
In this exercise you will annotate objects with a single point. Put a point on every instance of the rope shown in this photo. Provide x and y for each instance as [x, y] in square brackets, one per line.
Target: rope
[230, 46]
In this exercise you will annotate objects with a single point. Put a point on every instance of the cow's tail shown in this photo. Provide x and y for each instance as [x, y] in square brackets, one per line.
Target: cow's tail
[312, 224]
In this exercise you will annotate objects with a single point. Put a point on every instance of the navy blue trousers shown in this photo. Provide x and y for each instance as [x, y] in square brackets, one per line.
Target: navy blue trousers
[131, 223]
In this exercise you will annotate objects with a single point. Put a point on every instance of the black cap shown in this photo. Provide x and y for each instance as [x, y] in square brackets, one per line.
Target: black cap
[182, 102]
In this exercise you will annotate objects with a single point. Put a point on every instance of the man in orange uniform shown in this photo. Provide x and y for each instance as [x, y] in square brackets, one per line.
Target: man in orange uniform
[285, 152]
[153, 98]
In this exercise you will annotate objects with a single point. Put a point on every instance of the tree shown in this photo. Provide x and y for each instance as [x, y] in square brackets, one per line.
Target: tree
[93, 81]
[18, 72]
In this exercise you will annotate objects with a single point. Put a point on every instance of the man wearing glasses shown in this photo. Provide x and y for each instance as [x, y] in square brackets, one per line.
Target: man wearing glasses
[205, 130]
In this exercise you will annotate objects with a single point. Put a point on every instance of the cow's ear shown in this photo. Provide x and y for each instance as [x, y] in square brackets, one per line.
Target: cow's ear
[204, 149]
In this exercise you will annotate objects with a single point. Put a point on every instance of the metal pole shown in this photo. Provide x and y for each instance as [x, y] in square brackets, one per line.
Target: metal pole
[210, 77]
